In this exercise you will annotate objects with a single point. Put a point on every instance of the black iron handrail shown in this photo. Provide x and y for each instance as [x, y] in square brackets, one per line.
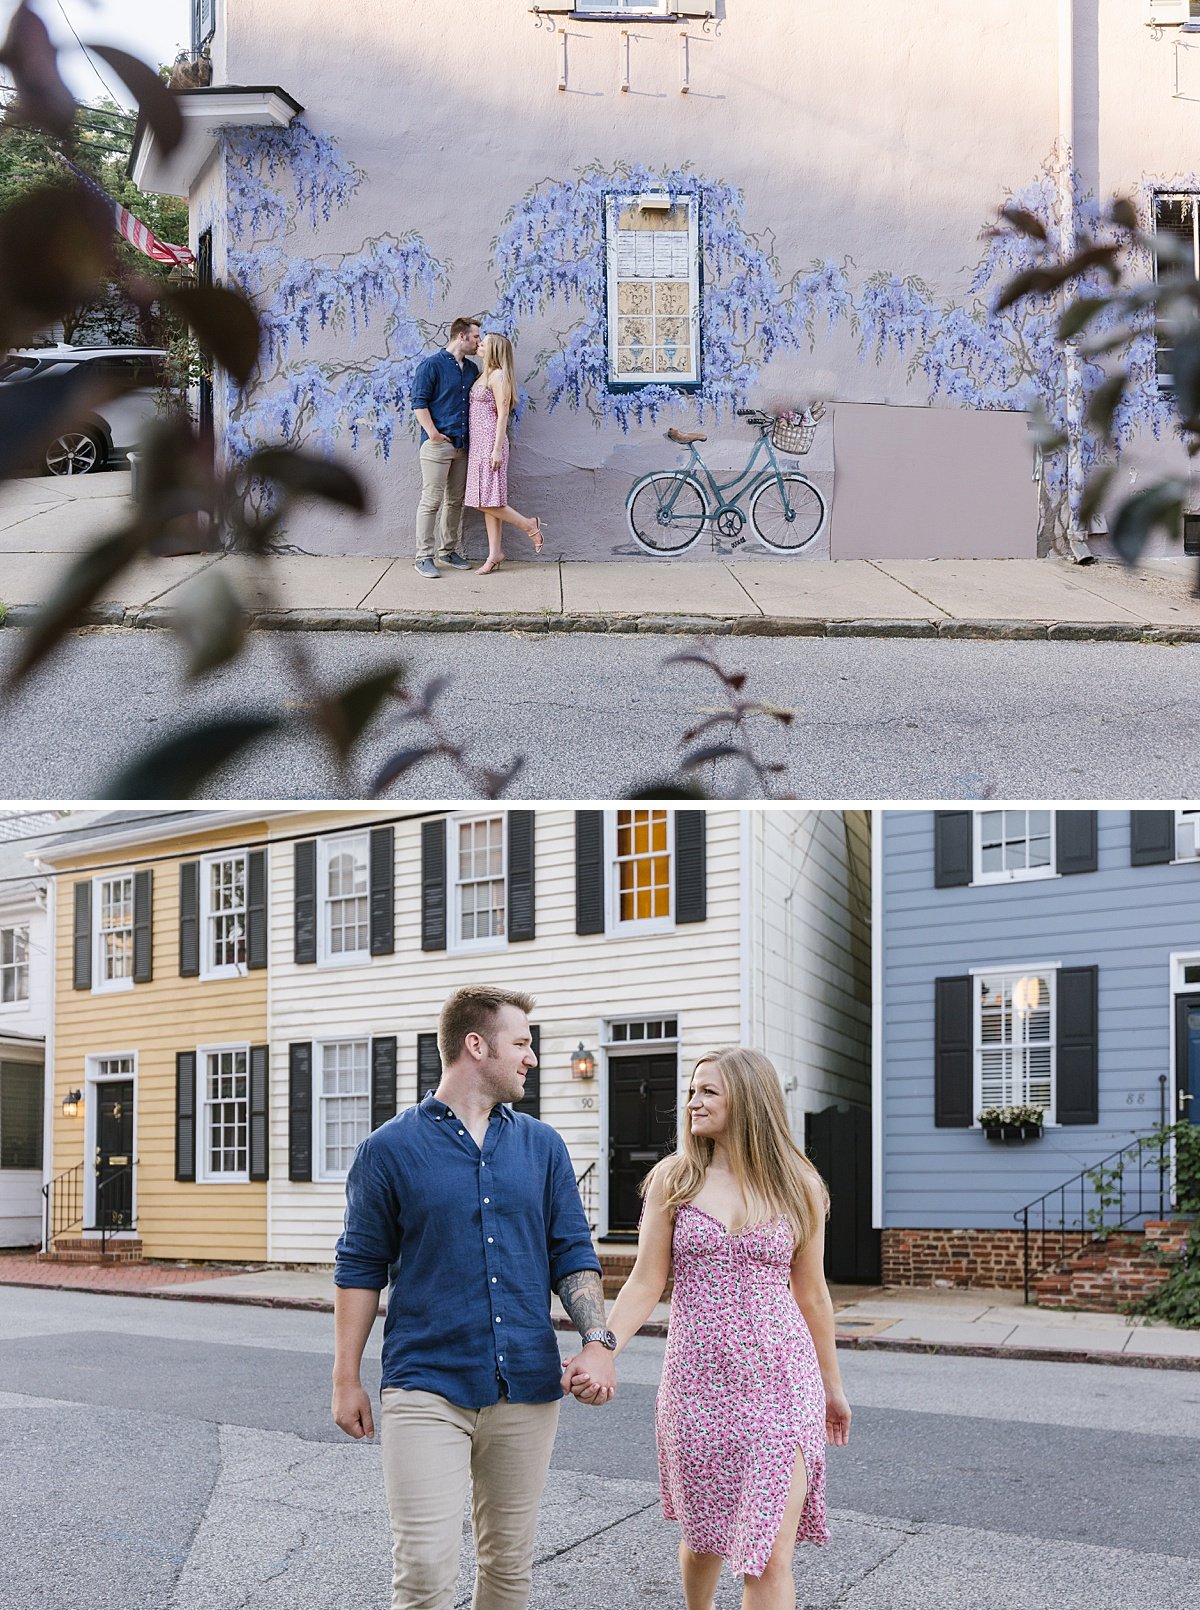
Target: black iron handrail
[586, 1184]
[102, 1224]
[62, 1199]
[1131, 1183]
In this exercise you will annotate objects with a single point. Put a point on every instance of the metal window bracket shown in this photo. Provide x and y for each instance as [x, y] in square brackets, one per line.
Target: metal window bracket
[562, 72]
[685, 63]
[626, 48]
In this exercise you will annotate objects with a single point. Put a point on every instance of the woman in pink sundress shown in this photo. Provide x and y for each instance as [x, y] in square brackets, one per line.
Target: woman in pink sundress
[751, 1390]
[491, 402]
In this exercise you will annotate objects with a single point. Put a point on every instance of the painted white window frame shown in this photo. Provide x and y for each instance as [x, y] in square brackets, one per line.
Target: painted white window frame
[322, 1173]
[1186, 820]
[1010, 970]
[19, 1002]
[1165, 381]
[327, 847]
[100, 984]
[1178, 985]
[634, 927]
[457, 944]
[93, 1080]
[657, 1043]
[615, 201]
[209, 968]
[1012, 874]
[624, 8]
[205, 1173]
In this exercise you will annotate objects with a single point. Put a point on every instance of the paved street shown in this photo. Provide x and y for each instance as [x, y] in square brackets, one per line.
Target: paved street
[163, 1456]
[595, 715]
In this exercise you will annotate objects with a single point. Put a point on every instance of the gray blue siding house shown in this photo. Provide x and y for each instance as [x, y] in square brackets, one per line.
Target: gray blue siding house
[1024, 958]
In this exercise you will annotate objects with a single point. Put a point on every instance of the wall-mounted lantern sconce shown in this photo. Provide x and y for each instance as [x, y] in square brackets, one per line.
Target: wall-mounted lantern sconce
[71, 1104]
[583, 1064]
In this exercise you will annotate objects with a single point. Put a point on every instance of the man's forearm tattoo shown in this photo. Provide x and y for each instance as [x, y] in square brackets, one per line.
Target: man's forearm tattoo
[582, 1295]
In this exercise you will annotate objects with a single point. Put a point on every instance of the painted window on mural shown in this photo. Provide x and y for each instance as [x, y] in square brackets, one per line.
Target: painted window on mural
[653, 290]
[226, 1114]
[626, 8]
[1179, 217]
[344, 1104]
[641, 869]
[1014, 1040]
[14, 965]
[1013, 844]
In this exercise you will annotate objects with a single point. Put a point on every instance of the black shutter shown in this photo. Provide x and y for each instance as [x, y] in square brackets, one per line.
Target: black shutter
[305, 902]
[953, 848]
[691, 866]
[521, 922]
[189, 920]
[953, 1057]
[429, 1065]
[589, 872]
[256, 908]
[83, 937]
[383, 1079]
[300, 1105]
[433, 885]
[143, 927]
[383, 891]
[1078, 1075]
[260, 1096]
[531, 1101]
[185, 1115]
[1151, 838]
[1075, 841]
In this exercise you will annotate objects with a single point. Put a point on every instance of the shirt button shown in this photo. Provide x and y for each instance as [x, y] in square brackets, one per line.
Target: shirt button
[487, 1199]
[501, 1357]
[497, 1319]
[493, 1280]
[460, 1131]
[491, 1238]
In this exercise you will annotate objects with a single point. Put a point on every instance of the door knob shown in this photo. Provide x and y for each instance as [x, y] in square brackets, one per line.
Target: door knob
[1184, 1096]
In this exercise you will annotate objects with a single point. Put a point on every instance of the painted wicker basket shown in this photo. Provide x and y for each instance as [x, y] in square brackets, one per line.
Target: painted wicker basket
[792, 438]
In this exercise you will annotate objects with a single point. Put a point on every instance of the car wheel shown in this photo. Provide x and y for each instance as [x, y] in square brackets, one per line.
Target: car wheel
[75, 452]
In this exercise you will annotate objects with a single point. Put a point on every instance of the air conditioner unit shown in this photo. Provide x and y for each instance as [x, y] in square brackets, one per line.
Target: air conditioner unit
[1173, 14]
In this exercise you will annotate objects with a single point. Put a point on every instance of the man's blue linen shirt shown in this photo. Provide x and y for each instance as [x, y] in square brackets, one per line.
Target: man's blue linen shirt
[474, 1243]
[444, 388]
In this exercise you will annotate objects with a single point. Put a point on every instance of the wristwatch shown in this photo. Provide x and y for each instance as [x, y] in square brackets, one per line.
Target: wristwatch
[604, 1337]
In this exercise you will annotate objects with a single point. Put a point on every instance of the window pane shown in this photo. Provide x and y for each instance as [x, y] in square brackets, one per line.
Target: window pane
[20, 1115]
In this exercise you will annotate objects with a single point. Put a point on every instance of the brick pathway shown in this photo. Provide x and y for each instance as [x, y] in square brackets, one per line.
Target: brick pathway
[19, 1270]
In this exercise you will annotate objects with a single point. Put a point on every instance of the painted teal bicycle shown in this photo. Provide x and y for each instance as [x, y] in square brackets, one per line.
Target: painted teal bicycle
[668, 510]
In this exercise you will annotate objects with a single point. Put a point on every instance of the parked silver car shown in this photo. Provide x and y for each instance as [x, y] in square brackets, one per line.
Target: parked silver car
[106, 434]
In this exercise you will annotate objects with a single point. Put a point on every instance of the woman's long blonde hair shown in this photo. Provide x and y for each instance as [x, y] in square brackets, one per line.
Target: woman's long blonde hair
[775, 1177]
[497, 354]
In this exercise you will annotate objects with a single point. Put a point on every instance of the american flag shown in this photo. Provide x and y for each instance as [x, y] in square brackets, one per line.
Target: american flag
[132, 229]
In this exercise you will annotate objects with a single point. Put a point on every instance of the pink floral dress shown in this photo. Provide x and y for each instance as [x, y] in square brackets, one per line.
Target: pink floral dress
[740, 1393]
[486, 488]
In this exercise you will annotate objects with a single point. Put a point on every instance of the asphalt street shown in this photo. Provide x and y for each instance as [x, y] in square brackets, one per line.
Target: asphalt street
[595, 716]
[163, 1456]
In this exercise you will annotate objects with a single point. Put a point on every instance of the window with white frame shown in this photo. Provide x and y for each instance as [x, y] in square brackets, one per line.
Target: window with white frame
[653, 248]
[113, 907]
[14, 964]
[226, 1114]
[345, 898]
[625, 8]
[343, 1100]
[1015, 1039]
[223, 895]
[640, 874]
[636, 1031]
[1013, 844]
[1187, 833]
[1178, 218]
[479, 877]
[20, 1115]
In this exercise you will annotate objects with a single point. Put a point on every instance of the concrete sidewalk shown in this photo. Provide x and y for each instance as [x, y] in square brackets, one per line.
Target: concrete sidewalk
[892, 1319]
[44, 521]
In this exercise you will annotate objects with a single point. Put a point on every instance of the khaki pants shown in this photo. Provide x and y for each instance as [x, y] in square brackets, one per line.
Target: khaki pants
[432, 1449]
[443, 482]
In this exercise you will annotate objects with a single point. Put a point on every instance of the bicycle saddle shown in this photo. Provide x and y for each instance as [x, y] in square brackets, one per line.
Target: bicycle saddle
[685, 438]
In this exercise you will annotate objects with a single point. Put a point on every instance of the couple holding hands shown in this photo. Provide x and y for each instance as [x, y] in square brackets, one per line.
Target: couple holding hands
[473, 1211]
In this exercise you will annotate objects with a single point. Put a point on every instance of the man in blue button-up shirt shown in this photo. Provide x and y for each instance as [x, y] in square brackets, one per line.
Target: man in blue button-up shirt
[441, 406]
[473, 1212]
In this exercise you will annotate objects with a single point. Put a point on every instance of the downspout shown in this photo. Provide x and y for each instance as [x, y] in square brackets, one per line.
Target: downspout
[1075, 540]
[48, 1073]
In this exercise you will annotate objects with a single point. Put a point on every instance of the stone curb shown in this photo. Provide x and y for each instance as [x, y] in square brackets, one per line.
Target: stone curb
[157, 617]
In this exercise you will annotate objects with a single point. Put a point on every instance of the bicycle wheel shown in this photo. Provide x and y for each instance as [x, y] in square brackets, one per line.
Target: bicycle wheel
[667, 511]
[787, 524]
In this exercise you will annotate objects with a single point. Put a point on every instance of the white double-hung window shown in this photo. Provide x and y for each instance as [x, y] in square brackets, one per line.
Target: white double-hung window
[640, 856]
[223, 896]
[14, 964]
[1014, 1012]
[344, 885]
[1176, 217]
[225, 1126]
[113, 933]
[1187, 833]
[1013, 844]
[479, 878]
[653, 256]
[343, 1101]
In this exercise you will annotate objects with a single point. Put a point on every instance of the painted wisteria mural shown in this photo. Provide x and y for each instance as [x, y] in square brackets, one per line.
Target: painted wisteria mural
[280, 185]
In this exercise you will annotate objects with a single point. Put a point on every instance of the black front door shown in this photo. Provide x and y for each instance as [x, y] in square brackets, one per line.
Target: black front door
[1187, 1059]
[642, 1101]
[114, 1155]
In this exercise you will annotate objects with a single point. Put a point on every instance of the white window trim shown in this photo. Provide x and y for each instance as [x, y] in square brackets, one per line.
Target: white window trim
[326, 847]
[1014, 874]
[624, 8]
[1190, 817]
[101, 985]
[1013, 969]
[635, 927]
[1165, 383]
[93, 1080]
[321, 1174]
[23, 1002]
[204, 1175]
[614, 202]
[608, 1043]
[227, 969]
[456, 944]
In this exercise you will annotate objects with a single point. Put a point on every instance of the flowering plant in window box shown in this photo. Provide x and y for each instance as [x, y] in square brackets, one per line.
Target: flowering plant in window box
[1012, 1123]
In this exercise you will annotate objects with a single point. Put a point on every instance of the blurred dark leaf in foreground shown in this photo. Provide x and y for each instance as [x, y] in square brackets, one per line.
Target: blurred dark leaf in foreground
[176, 768]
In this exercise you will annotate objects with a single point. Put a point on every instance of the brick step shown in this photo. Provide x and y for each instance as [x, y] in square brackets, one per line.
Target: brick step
[80, 1249]
[1104, 1276]
[616, 1268]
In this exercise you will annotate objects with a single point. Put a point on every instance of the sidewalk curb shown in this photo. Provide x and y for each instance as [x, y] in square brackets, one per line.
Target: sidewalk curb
[658, 1329]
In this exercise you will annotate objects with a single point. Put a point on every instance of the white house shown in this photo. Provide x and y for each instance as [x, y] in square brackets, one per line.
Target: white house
[646, 936]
